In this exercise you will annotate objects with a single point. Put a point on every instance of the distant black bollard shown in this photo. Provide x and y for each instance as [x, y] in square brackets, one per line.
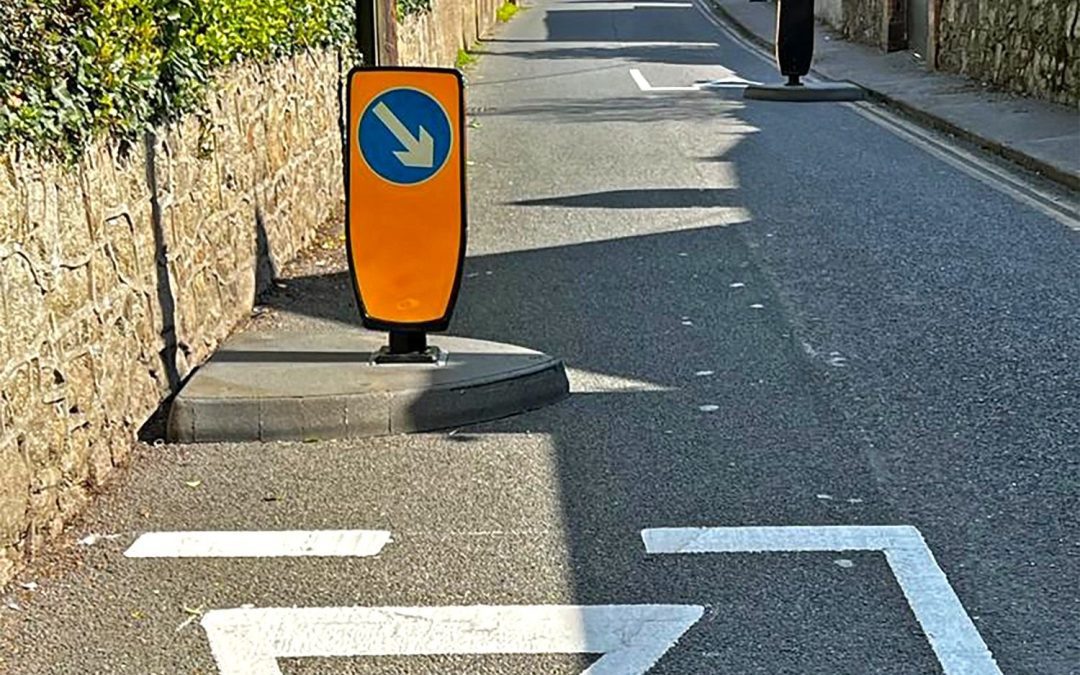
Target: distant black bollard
[795, 39]
[794, 54]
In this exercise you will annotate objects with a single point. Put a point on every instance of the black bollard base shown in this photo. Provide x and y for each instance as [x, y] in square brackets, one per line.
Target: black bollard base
[805, 92]
[794, 55]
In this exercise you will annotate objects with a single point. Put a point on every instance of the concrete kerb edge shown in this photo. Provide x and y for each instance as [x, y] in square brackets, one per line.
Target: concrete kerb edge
[816, 92]
[496, 399]
[1066, 178]
[368, 414]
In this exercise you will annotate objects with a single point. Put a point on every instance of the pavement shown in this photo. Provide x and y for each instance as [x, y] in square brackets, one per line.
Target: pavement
[1039, 135]
[773, 316]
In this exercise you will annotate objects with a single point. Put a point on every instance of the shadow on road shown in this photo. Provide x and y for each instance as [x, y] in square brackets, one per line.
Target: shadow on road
[632, 446]
[714, 106]
[626, 23]
[693, 54]
[660, 198]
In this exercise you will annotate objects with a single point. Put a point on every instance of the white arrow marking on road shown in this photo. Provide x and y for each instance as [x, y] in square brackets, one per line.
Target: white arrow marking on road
[419, 153]
[644, 85]
[268, 544]
[632, 638]
[733, 82]
[955, 640]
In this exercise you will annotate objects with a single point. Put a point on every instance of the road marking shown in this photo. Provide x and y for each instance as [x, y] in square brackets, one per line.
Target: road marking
[731, 81]
[952, 635]
[722, 26]
[645, 86]
[631, 638]
[1060, 209]
[266, 544]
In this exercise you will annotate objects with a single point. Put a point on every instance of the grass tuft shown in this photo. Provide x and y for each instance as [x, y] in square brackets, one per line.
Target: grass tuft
[507, 11]
[464, 59]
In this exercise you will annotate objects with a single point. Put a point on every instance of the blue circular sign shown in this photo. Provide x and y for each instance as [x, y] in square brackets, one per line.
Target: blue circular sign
[405, 136]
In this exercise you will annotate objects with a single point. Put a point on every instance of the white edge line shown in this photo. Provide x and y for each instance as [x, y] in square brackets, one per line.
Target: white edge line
[952, 635]
[263, 544]
[973, 166]
[728, 31]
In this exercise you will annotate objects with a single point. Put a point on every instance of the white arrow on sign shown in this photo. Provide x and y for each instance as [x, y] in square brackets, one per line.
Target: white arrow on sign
[631, 638]
[419, 153]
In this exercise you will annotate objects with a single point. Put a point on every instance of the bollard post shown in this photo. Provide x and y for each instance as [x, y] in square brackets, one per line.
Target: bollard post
[372, 29]
[795, 39]
[794, 55]
[367, 32]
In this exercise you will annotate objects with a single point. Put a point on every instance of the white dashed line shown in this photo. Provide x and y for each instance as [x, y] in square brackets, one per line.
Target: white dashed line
[266, 544]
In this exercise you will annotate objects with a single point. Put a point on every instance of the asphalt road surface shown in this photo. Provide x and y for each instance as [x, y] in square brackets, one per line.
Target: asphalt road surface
[775, 315]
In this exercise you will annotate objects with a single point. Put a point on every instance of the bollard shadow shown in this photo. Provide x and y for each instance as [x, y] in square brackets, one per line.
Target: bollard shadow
[594, 288]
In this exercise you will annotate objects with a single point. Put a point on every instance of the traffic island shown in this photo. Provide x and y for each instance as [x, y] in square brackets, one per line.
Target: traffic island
[405, 239]
[794, 55]
[805, 92]
[321, 386]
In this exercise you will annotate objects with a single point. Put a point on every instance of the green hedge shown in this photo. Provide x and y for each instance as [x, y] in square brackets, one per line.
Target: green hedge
[406, 7]
[71, 70]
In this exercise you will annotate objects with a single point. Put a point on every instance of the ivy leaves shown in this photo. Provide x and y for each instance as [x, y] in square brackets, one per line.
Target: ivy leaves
[407, 7]
[71, 70]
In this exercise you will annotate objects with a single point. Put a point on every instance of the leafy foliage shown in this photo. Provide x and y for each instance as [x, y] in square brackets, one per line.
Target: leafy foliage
[407, 7]
[507, 11]
[464, 59]
[73, 69]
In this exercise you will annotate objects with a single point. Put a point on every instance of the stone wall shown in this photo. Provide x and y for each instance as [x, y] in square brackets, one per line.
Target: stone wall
[831, 12]
[1029, 47]
[121, 273]
[434, 38]
[863, 21]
